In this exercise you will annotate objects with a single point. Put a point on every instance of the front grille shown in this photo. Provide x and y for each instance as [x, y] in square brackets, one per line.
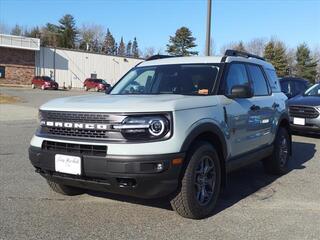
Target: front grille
[303, 112]
[79, 149]
[85, 133]
[81, 118]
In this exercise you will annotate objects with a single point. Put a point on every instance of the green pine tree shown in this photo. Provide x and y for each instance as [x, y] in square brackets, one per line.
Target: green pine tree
[68, 31]
[181, 43]
[135, 48]
[129, 49]
[109, 44]
[275, 53]
[122, 48]
[306, 66]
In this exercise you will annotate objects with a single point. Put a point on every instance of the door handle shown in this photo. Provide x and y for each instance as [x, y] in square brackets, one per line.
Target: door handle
[254, 108]
[275, 105]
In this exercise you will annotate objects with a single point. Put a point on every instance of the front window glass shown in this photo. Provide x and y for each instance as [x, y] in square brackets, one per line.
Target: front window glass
[313, 91]
[169, 79]
[237, 76]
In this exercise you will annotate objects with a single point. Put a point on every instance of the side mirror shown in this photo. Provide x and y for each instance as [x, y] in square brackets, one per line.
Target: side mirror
[289, 95]
[241, 91]
[108, 90]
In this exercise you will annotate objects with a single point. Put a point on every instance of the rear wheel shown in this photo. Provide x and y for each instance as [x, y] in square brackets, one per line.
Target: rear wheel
[65, 190]
[278, 162]
[200, 185]
[97, 89]
[86, 88]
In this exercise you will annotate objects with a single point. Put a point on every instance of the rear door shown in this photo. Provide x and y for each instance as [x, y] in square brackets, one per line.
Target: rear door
[263, 108]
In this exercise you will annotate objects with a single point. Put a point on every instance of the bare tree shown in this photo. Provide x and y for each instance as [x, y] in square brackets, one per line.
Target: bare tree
[316, 57]
[148, 52]
[256, 46]
[91, 37]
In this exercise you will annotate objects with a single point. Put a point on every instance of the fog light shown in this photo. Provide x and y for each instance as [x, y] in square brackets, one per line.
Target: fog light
[159, 167]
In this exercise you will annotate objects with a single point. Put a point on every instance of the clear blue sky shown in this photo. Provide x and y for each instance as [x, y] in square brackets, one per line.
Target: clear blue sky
[152, 21]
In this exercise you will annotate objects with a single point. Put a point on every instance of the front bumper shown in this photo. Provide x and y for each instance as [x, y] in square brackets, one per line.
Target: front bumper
[129, 175]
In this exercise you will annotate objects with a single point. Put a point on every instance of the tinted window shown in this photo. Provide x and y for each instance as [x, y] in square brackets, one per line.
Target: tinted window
[260, 87]
[237, 75]
[168, 79]
[2, 72]
[47, 79]
[300, 87]
[273, 80]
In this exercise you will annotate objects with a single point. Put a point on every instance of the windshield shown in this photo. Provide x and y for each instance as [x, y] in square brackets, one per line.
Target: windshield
[188, 79]
[47, 79]
[313, 91]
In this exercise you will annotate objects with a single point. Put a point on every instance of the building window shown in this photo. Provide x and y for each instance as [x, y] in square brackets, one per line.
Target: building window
[2, 72]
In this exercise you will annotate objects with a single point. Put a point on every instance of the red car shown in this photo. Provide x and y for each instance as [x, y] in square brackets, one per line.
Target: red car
[97, 84]
[44, 82]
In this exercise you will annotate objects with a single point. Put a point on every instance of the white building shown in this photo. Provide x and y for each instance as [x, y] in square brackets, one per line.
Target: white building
[22, 58]
[72, 67]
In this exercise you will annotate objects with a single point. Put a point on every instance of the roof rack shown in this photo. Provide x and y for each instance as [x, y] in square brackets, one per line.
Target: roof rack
[158, 56]
[235, 53]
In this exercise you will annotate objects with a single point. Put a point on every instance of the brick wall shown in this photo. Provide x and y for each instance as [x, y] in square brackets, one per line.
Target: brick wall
[19, 65]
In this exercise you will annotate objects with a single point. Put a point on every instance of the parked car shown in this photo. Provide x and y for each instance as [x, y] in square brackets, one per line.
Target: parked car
[304, 111]
[44, 82]
[170, 127]
[96, 84]
[292, 86]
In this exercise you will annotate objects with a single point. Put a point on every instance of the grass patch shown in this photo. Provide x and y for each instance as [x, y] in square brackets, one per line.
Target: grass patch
[5, 99]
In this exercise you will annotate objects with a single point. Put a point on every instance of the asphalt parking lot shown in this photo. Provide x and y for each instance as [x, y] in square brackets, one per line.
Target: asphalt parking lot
[253, 206]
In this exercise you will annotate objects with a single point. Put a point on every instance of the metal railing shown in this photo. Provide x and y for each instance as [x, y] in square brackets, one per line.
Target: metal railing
[19, 42]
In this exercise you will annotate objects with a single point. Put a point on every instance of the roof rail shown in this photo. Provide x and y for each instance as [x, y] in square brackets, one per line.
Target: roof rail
[235, 53]
[158, 56]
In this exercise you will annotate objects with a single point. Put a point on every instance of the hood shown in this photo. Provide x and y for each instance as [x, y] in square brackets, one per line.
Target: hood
[305, 101]
[128, 103]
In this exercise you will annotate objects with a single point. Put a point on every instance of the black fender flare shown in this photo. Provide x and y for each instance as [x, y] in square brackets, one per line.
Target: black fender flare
[204, 128]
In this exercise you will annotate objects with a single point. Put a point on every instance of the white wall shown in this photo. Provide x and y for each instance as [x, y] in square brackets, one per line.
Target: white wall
[73, 67]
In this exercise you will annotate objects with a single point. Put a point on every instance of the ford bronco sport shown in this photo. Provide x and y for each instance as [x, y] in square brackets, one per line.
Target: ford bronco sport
[173, 126]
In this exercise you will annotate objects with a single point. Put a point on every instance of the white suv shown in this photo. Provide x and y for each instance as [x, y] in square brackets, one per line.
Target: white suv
[172, 126]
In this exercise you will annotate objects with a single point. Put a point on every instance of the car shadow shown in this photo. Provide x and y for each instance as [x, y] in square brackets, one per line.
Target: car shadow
[248, 181]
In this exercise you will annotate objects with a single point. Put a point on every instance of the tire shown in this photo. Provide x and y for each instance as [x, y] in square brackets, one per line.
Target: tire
[278, 162]
[188, 200]
[86, 88]
[97, 89]
[65, 190]
[33, 86]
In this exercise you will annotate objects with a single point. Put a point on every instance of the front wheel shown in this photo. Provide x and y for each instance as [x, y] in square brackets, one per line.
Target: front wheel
[278, 162]
[65, 190]
[200, 185]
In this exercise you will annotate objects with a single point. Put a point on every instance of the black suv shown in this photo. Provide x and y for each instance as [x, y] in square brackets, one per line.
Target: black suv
[293, 86]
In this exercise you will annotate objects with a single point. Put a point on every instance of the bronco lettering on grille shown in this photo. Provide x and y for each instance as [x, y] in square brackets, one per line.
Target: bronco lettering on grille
[74, 125]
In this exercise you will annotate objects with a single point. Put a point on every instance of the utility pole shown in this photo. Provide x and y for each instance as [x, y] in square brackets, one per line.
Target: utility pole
[208, 35]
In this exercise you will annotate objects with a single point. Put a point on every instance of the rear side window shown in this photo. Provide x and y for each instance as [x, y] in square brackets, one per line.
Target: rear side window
[237, 75]
[273, 80]
[260, 87]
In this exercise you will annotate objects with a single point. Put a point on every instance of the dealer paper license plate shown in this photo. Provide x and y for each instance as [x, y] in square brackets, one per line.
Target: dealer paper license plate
[299, 121]
[68, 164]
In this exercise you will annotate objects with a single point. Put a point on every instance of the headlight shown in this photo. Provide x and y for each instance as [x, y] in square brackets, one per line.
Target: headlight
[145, 127]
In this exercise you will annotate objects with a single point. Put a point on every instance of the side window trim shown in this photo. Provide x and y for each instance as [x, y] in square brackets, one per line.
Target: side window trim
[251, 80]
